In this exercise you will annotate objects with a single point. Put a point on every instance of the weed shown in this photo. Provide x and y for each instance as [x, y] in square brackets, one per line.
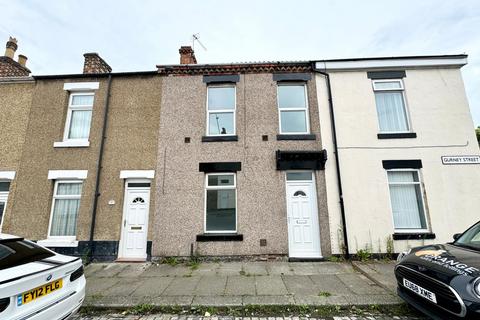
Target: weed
[193, 264]
[336, 259]
[364, 254]
[141, 309]
[172, 261]
[242, 272]
[390, 248]
[325, 294]
[187, 275]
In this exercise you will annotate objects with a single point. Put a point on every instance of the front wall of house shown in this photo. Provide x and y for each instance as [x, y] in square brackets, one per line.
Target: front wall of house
[440, 117]
[131, 143]
[261, 204]
[15, 101]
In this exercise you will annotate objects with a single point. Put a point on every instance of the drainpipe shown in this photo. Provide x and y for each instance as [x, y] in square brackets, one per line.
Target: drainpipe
[99, 169]
[335, 150]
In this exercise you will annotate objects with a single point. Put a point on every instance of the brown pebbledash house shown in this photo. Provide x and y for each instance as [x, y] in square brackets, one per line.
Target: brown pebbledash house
[190, 159]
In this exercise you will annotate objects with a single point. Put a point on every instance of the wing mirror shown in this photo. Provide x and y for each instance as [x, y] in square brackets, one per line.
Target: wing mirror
[456, 236]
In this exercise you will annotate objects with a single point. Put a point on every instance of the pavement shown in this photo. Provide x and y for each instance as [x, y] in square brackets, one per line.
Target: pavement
[225, 284]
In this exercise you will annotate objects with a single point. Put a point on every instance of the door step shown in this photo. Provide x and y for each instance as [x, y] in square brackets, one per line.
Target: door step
[131, 260]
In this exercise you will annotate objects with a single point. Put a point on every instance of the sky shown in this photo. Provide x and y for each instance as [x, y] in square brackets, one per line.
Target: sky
[137, 35]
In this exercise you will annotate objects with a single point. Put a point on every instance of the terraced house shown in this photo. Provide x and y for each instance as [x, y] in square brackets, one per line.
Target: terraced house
[291, 159]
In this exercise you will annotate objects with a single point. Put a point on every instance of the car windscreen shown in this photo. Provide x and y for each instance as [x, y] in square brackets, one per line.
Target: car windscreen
[17, 252]
[470, 239]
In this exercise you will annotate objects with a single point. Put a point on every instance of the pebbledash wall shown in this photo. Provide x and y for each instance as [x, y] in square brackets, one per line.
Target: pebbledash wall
[130, 145]
[261, 209]
[440, 125]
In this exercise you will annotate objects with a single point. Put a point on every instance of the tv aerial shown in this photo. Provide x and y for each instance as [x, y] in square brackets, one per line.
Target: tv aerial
[195, 37]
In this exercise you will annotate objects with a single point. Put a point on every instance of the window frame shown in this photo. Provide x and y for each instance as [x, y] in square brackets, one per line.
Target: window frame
[422, 192]
[234, 111]
[405, 104]
[69, 197]
[72, 108]
[207, 187]
[4, 199]
[306, 109]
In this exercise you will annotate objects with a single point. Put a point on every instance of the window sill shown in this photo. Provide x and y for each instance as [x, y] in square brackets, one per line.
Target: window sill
[413, 236]
[406, 135]
[206, 237]
[219, 138]
[55, 243]
[72, 144]
[296, 137]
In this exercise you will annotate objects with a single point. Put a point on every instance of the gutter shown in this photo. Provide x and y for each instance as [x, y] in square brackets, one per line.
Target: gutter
[337, 162]
[99, 169]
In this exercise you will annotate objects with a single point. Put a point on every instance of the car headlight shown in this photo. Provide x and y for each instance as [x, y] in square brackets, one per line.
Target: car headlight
[402, 255]
[476, 287]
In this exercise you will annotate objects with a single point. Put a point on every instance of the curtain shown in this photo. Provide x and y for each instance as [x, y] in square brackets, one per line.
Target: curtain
[391, 111]
[65, 211]
[80, 124]
[64, 220]
[406, 201]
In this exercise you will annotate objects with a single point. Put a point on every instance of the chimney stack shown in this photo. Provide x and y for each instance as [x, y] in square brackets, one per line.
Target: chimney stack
[95, 64]
[22, 60]
[187, 55]
[11, 47]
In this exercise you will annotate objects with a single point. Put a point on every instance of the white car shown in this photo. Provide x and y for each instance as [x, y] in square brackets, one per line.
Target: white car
[37, 283]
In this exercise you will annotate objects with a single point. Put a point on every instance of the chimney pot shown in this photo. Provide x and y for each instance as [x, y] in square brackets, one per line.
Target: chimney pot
[11, 47]
[187, 55]
[22, 60]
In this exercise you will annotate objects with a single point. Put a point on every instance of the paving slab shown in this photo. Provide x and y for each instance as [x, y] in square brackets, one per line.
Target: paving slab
[181, 286]
[300, 285]
[382, 273]
[240, 285]
[152, 287]
[100, 285]
[331, 284]
[270, 285]
[110, 270]
[231, 268]
[172, 301]
[320, 301]
[360, 284]
[211, 285]
[133, 270]
[124, 287]
[280, 268]
[255, 268]
[303, 268]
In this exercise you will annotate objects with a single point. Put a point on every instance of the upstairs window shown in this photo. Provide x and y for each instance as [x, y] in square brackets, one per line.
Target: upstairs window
[407, 200]
[293, 108]
[221, 104]
[79, 116]
[391, 108]
[65, 207]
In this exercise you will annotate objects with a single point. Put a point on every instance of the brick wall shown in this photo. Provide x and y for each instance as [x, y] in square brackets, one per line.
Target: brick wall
[11, 68]
[95, 64]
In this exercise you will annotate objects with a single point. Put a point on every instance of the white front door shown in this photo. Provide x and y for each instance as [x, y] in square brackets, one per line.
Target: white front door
[302, 215]
[133, 243]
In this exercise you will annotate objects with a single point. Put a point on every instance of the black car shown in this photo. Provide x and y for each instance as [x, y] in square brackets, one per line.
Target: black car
[443, 280]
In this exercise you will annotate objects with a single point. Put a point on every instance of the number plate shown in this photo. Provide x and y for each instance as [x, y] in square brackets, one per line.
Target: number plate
[420, 291]
[30, 295]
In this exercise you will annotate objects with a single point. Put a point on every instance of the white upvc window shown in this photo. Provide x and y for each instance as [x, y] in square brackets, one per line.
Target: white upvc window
[4, 189]
[221, 109]
[293, 108]
[79, 117]
[220, 203]
[407, 203]
[391, 106]
[65, 208]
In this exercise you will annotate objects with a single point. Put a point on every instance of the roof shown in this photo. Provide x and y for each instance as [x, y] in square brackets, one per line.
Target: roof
[246, 67]
[13, 63]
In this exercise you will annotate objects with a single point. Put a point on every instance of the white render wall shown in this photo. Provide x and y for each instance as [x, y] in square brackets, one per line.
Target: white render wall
[439, 115]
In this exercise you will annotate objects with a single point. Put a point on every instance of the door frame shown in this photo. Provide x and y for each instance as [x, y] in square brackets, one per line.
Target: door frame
[121, 253]
[315, 217]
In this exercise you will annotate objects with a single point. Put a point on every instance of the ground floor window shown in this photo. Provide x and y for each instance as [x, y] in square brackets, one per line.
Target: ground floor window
[4, 188]
[220, 203]
[65, 207]
[406, 199]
